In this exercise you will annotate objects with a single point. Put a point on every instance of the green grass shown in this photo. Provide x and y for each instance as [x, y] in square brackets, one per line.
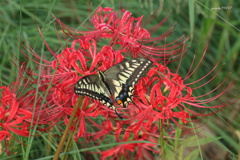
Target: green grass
[199, 20]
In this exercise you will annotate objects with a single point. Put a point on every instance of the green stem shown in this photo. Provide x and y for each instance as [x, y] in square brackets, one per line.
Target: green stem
[65, 134]
[69, 142]
[161, 139]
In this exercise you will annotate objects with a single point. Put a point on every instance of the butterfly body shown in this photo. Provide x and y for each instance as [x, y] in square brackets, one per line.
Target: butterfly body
[115, 85]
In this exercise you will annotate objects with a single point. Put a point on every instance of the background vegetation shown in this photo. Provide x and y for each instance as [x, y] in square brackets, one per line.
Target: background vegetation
[215, 24]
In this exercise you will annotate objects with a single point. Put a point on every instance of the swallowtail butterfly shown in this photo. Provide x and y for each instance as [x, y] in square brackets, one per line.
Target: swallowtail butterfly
[115, 84]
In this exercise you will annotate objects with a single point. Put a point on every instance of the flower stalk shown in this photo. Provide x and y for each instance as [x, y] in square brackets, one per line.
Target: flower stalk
[67, 129]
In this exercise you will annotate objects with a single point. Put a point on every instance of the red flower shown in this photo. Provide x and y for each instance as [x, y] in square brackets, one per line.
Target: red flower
[81, 58]
[125, 32]
[13, 117]
[136, 148]
[163, 95]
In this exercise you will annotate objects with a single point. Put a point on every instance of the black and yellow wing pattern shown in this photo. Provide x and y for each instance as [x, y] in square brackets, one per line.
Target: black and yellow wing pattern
[115, 84]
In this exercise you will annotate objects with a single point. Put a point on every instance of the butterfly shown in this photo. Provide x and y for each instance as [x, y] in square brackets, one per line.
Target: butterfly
[116, 84]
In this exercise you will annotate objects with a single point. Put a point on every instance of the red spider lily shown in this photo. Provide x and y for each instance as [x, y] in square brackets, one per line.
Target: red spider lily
[171, 98]
[14, 119]
[125, 31]
[130, 150]
[58, 86]
[138, 148]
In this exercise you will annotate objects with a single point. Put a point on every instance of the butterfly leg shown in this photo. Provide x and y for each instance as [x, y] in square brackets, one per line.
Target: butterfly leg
[114, 108]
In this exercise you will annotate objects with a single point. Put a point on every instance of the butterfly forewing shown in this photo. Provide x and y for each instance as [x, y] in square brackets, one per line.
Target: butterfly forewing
[129, 71]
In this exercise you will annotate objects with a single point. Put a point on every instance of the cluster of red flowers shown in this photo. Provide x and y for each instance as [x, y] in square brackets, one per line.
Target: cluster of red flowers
[160, 95]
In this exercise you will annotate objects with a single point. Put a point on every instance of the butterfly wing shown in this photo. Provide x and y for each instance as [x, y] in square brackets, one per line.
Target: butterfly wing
[94, 87]
[122, 77]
